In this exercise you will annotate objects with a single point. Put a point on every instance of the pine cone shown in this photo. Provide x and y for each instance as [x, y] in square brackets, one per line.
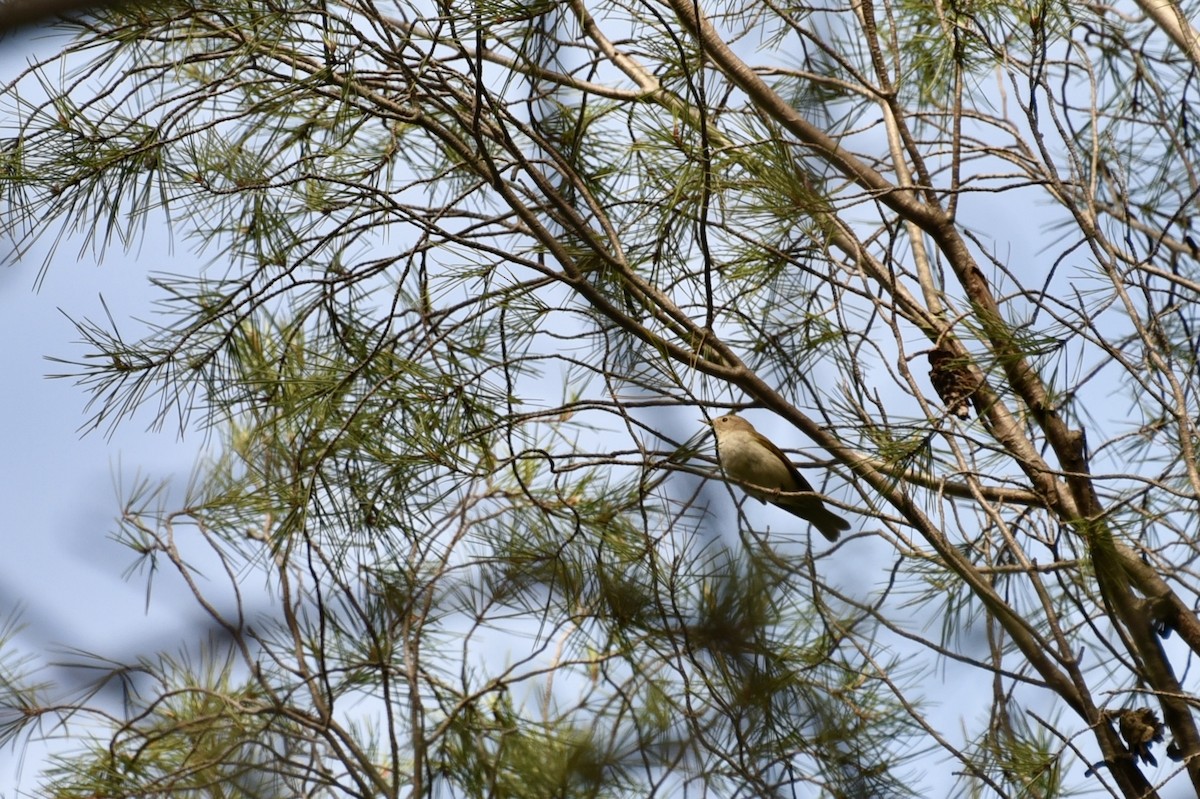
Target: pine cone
[1163, 615]
[1140, 727]
[953, 381]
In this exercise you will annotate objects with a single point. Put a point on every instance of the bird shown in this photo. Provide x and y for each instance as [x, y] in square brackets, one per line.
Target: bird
[750, 458]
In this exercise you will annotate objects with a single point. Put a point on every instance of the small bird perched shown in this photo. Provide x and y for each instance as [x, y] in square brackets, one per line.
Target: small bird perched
[749, 457]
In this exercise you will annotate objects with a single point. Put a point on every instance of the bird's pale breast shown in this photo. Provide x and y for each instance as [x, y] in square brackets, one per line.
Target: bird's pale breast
[745, 459]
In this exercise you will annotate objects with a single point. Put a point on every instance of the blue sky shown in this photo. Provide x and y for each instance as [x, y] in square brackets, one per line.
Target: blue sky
[62, 573]
[59, 485]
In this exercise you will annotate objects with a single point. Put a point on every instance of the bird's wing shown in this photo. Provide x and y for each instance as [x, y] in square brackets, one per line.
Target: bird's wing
[801, 483]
